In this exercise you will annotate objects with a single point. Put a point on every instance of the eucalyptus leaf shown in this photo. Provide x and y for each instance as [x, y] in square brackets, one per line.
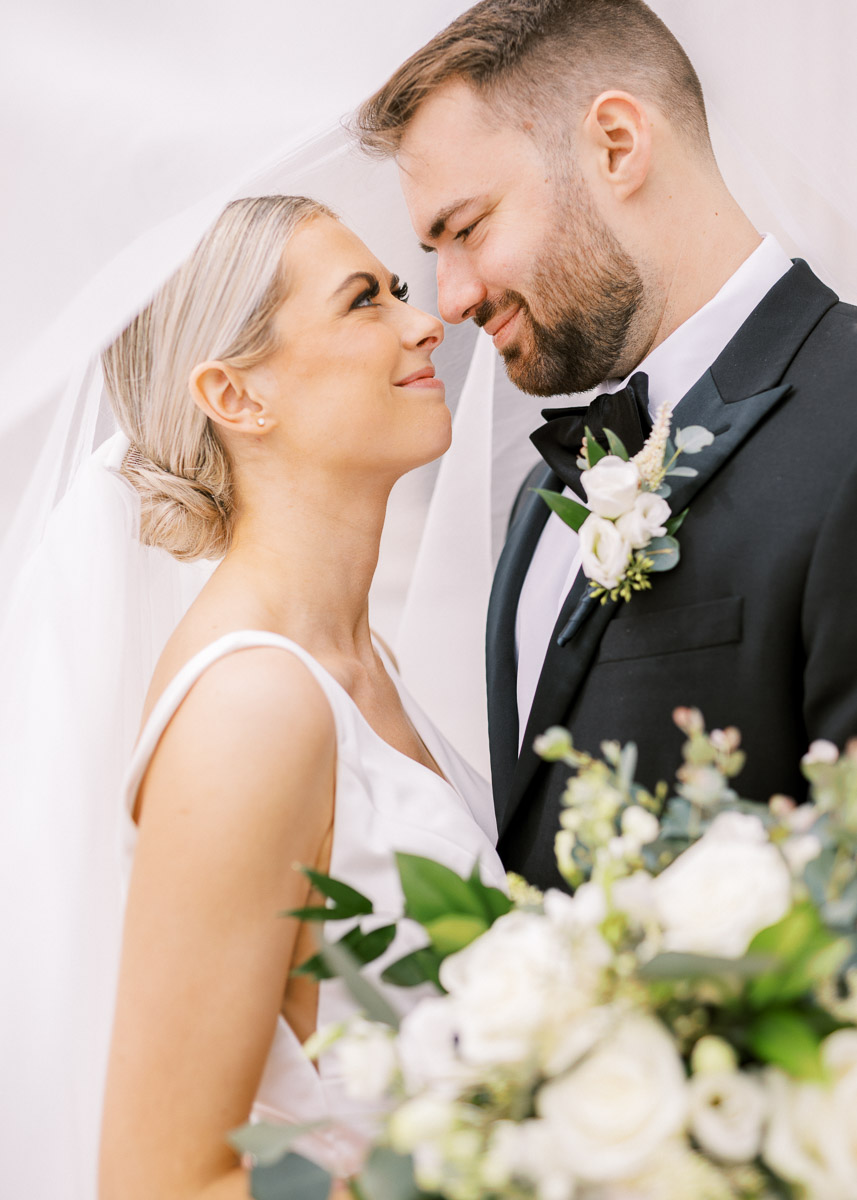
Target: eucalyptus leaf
[692, 439]
[267, 1143]
[568, 510]
[784, 1038]
[664, 553]
[432, 890]
[452, 933]
[673, 965]
[292, 1178]
[664, 491]
[348, 900]
[418, 967]
[617, 446]
[683, 472]
[387, 1175]
[342, 963]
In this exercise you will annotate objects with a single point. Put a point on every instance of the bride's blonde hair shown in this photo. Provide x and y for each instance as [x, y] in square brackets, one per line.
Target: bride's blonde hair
[219, 305]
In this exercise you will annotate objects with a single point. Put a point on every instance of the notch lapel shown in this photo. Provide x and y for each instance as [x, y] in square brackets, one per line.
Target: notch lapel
[501, 659]
[582, 621]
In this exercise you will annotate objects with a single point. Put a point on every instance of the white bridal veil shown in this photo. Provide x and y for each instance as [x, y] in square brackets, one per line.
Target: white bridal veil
[124, 131]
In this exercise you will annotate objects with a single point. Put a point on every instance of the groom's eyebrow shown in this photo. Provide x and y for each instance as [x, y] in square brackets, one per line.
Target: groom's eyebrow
[438, 225]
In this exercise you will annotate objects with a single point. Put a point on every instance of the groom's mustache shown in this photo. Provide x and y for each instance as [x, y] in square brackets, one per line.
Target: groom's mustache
[489, 309]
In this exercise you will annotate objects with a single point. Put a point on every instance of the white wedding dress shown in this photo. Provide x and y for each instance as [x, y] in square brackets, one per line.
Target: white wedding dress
[384, 802]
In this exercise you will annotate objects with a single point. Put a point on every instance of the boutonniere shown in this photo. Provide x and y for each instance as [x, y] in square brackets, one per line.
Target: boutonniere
[628, 531]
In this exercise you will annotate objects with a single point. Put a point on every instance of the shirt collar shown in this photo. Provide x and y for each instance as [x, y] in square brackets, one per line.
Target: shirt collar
[680, 360]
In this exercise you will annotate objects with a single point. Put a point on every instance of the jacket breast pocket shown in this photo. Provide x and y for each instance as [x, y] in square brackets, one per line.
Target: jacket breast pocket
[691, 627]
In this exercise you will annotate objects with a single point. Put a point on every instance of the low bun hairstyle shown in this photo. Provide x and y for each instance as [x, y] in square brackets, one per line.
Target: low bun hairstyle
[219, 305]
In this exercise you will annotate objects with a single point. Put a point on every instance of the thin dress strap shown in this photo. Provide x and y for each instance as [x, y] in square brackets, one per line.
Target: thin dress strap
[180, 685]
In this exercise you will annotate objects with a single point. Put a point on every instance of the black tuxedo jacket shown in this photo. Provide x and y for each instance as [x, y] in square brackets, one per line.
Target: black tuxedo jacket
[756, 626]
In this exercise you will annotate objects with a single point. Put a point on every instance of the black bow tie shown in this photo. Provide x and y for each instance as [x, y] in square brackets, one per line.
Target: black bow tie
[625, 412]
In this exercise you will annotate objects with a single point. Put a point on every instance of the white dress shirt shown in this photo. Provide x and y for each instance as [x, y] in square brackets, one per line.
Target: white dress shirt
[673, 368]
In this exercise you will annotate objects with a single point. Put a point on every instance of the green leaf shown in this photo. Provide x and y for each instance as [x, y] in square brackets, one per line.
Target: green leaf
[452, 933]
[364, 948]
[266, 1142]
[664, 553]
[692, 439]
[420, 966]
[293, 1178]
[786, 1039]
[342, 963]
[495, 903]
[314, 912]
[387, 1175]
[432, 890]
[568, 510]
[617, 446]
[593, 451]
[348, 901]
[672, 965]
[804, 954]
[675, 523]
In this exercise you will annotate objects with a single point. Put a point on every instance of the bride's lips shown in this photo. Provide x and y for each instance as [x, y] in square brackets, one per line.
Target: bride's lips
[502, 329]
[421, 379]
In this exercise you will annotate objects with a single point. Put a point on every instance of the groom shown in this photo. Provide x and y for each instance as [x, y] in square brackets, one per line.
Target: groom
[554, 155]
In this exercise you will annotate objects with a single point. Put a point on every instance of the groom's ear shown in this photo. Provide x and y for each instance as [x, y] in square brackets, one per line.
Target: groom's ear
[617, 137]
[219, 391]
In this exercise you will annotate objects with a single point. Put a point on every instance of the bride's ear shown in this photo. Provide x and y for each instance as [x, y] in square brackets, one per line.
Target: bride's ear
[219, 391]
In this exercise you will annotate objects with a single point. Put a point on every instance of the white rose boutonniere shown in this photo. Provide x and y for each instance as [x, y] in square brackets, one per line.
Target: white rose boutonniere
[627, 532]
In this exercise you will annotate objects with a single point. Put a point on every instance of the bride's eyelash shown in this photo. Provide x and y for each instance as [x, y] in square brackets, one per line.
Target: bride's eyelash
[397, 289]
[400, 290]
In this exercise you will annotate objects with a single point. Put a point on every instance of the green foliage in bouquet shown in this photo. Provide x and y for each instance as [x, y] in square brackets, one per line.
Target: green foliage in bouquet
[682, 1026]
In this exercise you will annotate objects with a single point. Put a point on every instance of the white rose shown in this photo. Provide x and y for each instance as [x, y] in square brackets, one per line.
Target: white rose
[518, 986]
[727, 1112]
[367, 1059]
[604, 552]
[810, 1138]
[614, 1110]
[611, 486]
[646, 520]
[720, 892]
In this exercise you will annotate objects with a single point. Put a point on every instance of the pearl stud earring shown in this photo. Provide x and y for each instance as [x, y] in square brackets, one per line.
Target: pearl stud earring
[260, 420]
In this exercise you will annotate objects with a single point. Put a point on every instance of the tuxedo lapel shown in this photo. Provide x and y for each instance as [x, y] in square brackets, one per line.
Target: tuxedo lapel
[730, 400]
[512, 568]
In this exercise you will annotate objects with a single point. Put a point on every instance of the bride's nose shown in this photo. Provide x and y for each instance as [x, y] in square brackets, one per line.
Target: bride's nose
[423, 330]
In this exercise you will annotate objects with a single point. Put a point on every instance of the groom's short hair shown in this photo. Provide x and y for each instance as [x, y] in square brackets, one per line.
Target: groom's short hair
[522, 56]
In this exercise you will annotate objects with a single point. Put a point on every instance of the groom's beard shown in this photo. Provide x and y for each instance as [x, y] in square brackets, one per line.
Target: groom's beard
[584, 293]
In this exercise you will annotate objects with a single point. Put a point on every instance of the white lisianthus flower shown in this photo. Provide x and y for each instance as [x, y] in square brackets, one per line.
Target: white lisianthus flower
[611, 486]
[628, 1096]
[721, 891]
[727, 1113]
[528, 1150]
[604, 552]
[646, 520]
[428, 1048]
[640, 825]
[367, 1059]
[675, 1172]
[517, 987]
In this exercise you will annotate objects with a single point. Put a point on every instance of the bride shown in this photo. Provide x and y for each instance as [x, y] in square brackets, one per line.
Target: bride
[272, 392]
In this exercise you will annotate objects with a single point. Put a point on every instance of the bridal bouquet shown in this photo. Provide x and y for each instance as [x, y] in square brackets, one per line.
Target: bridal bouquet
[682, 1026]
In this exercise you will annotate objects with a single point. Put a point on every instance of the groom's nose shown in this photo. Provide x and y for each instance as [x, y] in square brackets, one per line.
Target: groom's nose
[459, 289]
